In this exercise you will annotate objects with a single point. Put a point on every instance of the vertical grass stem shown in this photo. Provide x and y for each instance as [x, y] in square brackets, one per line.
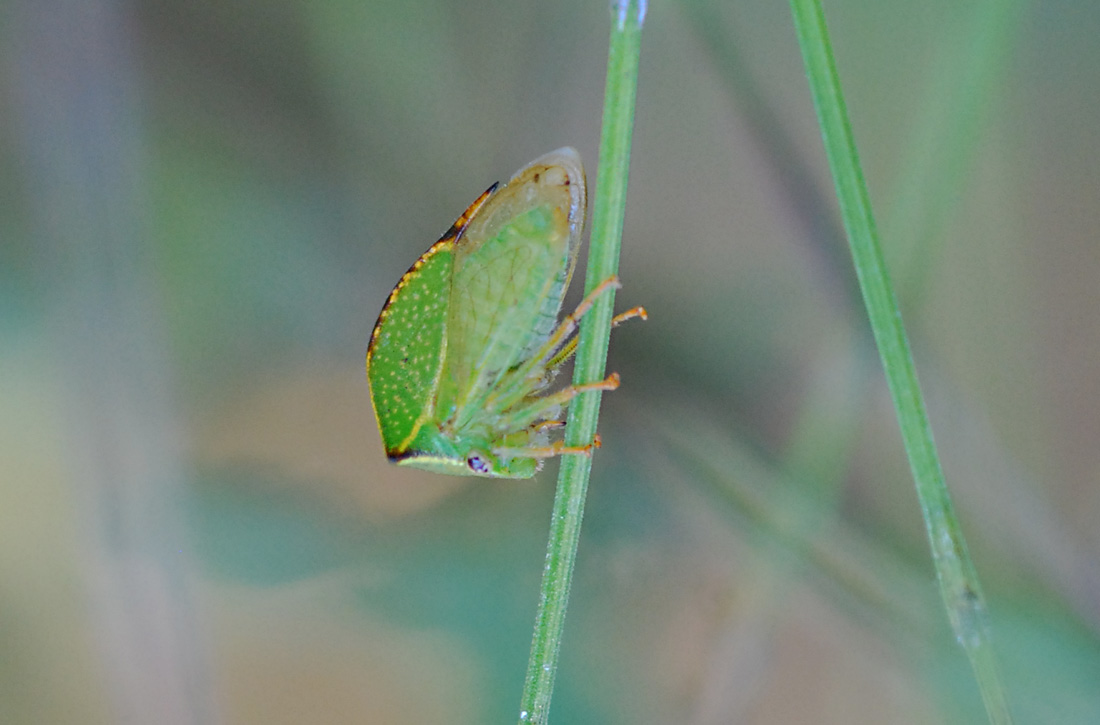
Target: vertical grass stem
[609, 207]
[958, 580]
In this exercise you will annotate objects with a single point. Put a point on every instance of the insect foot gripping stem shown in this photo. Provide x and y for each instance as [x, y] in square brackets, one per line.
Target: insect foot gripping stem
[555, 449]
[563, 396]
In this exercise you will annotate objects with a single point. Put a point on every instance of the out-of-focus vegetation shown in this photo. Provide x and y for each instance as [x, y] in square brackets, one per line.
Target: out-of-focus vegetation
[204, 205]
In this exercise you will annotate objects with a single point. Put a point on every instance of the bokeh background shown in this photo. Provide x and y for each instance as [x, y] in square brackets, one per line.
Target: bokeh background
[204, 204]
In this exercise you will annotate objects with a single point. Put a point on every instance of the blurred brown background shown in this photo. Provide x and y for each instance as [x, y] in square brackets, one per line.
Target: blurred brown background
[203, 206]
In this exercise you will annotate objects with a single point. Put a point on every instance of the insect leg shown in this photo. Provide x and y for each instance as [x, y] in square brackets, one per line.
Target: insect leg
[555, 449]
[569, 323]
[571, 347]
[520, 381]
[538, 407]
[630, 314]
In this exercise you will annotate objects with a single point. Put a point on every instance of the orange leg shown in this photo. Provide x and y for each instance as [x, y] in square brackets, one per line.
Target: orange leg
[520, 378]
[523, 417]
[629, 315]
[555, 449]
[570, 321]
[571, 347]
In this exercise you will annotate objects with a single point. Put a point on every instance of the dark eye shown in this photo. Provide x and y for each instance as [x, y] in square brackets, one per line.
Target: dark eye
[477, 464]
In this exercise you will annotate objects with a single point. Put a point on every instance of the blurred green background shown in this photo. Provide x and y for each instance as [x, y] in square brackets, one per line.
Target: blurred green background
[203, 206]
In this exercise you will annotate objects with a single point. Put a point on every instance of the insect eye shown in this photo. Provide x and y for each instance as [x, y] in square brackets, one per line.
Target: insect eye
[478, 463]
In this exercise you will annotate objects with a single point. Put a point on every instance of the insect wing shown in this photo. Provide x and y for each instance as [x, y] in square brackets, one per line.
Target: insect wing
[512, 265]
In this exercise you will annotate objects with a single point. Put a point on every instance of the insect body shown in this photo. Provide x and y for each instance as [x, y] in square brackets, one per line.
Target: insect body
[467, 344]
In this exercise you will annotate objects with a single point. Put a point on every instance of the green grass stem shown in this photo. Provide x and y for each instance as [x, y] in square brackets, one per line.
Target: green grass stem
[959, 585]
[595, 333]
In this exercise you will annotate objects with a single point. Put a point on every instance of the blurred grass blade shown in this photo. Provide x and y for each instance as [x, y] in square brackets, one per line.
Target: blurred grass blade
[77, 94]
[609, 208]
[941, 156]
[959, 585]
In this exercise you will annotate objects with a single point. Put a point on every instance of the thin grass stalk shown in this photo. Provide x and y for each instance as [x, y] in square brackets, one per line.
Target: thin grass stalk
[595, 333]
[959, 585]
